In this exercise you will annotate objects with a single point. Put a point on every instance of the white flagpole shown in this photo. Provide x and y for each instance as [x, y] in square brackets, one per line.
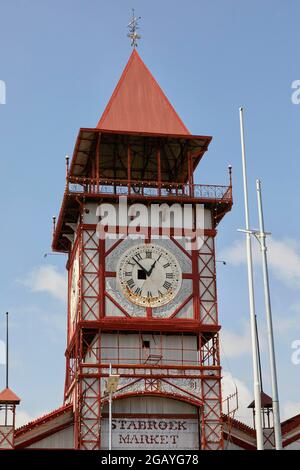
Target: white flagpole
[256, 379]
[263, 247]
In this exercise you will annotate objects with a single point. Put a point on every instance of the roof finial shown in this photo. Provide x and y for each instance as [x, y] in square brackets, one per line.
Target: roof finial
[133, 26]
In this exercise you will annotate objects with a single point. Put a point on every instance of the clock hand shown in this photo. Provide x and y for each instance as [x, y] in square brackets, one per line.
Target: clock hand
[145, 271]
[152, 267]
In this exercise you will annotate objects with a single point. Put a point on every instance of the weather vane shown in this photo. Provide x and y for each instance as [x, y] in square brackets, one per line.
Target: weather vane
[133, 26]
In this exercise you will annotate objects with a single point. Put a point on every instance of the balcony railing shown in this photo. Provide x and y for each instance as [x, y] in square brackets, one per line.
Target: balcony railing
[149, 189]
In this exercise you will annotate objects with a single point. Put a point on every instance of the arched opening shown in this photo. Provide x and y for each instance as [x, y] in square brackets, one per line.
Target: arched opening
[152, 422]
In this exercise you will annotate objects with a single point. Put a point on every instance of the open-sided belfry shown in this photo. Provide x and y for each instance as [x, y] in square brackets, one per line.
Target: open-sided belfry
[145, 306]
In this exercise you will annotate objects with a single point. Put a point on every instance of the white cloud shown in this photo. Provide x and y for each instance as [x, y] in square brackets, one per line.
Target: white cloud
[290, 409]
[47, 279]
[234, 344]
[22, 417]
[245, 397]
[283, 258]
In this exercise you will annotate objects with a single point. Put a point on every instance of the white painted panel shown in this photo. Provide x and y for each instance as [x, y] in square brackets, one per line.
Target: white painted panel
[63, 439]
[231, 446]
[207, 219]
[90, 217]
[151, 433]
[151, 405]
[293, 446]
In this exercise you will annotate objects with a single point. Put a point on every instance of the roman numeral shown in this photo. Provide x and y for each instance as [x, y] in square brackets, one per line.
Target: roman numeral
[130, 283]
[167, 285]
[148, 254]
[138, 256]
[149, 293]
[166, 265]
[131, 264]
[138, 291]
[160, 293]
[128, 273]
[169, 275]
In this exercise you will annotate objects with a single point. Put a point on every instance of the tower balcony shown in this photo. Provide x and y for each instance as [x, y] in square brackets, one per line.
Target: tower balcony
[111, 188]
[78, 189]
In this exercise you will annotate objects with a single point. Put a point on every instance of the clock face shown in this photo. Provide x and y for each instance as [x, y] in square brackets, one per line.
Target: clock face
[74, 288]
[149, 275]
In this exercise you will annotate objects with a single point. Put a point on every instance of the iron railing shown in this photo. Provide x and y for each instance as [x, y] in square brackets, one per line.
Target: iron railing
[148, 189]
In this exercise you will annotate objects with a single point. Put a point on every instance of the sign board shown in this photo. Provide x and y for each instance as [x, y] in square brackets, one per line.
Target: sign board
[150, 433]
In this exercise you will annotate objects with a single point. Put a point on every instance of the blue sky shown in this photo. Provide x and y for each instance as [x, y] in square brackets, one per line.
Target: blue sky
[60, 62]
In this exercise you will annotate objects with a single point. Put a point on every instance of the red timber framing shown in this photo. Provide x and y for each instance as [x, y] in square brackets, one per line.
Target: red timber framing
[195, 381]
[148, 162]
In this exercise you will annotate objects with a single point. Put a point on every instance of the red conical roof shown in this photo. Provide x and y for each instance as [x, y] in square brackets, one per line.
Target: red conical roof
[138, 104]
[266, 401]
[8, 396]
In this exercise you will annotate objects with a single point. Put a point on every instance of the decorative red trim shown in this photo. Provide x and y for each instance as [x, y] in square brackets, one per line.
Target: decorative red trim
[244, 445]
[290, 424]
[151, 415]
[43, 435]
[43, 419]
[239, 425]
[291, 439]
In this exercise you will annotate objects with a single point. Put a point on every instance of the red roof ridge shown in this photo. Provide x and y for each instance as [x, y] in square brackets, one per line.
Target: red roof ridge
[155, 112]
[8, 396]
[290, 424]
[44, 418]
[239, 424]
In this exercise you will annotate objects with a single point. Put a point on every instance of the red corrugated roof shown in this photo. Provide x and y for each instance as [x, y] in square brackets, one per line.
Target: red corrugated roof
[8, 396]
[138, 104]
[266, 401]
[290, 424]
[239, 425]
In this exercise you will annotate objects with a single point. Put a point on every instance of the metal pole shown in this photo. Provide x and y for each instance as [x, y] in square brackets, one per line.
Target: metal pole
[256, 384]
[6, 365]
[110, 414]
[263, 247]
[6, 349]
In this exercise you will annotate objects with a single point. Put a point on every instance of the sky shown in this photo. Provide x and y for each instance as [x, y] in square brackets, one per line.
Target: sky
[59, 64]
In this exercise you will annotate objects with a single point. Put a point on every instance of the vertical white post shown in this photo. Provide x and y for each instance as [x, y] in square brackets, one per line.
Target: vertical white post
[256, 379]
[110, 414]
[263, 247]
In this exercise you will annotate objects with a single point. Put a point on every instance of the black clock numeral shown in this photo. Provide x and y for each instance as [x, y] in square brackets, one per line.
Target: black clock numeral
[131, 264]
[130, 283]
[148, 254]
[149, 293]
[138, 291]
[160, 294]
[138, 256]
[166, 265]
[167, 285]
[169, 275]
[128, 273]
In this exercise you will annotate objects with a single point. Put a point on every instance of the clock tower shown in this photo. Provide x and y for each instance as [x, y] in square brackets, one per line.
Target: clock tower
[142, 302]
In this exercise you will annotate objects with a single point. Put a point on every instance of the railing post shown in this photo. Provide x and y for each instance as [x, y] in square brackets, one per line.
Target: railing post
[129, 168]
[159, 171]
[190, 175]
[98, 162]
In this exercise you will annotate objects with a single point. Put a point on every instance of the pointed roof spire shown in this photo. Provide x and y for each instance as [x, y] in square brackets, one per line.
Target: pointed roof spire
[138, 104]
[8, 396]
